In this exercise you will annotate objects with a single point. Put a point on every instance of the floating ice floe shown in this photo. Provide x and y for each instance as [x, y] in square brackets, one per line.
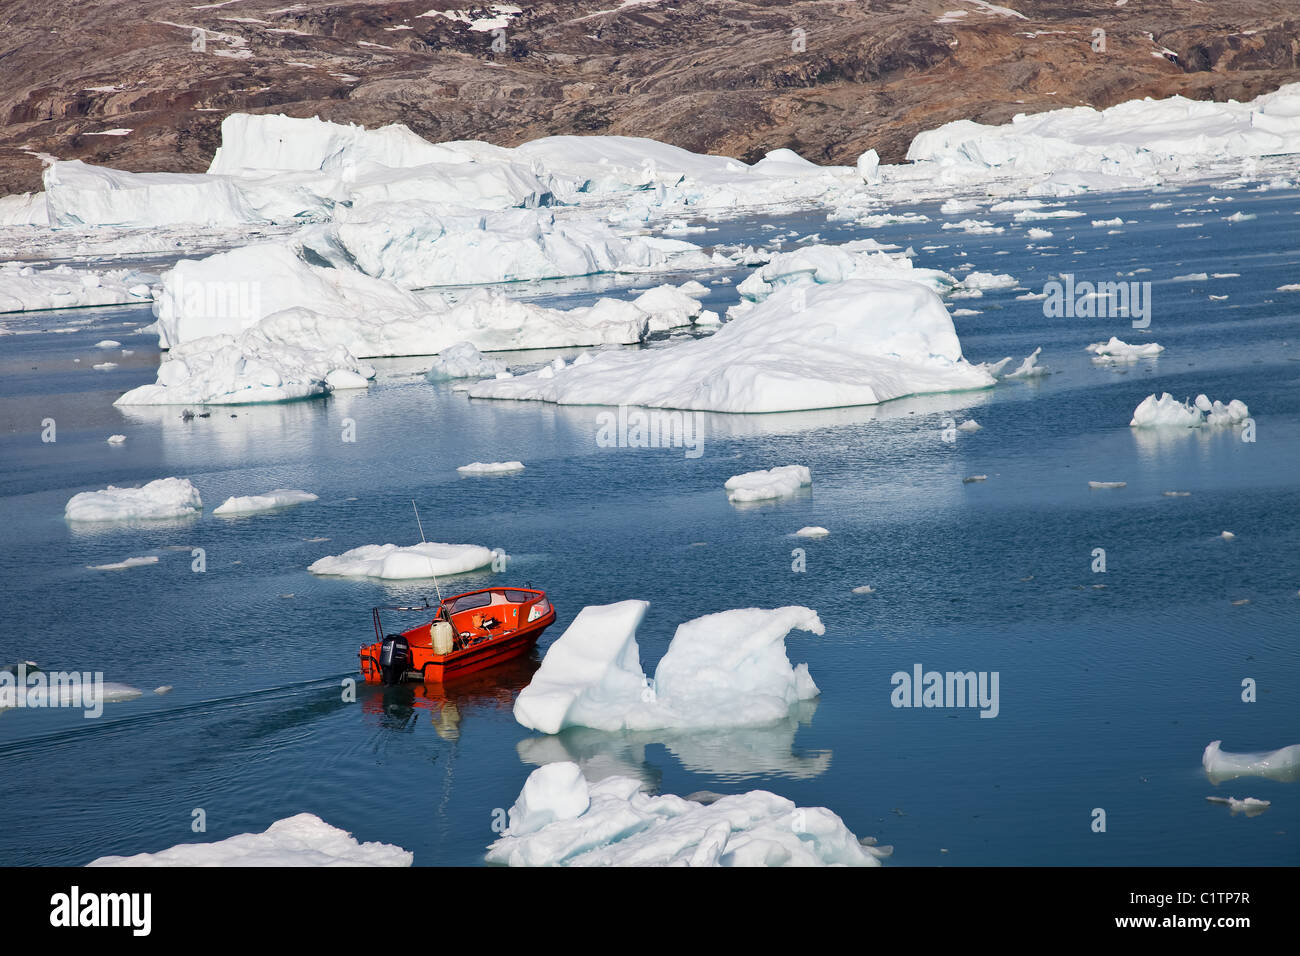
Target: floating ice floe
[1168, 411]
[124, 564]
[970, 426]
[491, 467]
[722, 670]
[164, 498]
[562, 820]
[271, 501]
[812, 531]
[302, 840]
[1281, 764]
[1029, 368]
[763, 485]
[822, 264]
[1251, 806]
[463, 360]
[856, 342]
[116, 439]
[25, 289]
[396, 562]
[1107, 484]
[1116, 350]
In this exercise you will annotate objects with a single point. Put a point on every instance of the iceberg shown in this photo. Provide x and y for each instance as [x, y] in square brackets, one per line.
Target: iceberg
[302, 840]
[272, 500]
[722, 670]
[1281, 764]
[164, 498]
[1167, 411]
[24, 289]
[856, 342]
[1116, 350]
[561, 820]
[820, 263]
[779, 482]
[463, 360]
[394, 562]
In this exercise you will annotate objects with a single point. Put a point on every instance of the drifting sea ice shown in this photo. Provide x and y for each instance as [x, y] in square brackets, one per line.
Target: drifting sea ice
[859, 259]
[1281, 764]
[561, 820]
[1122, 351]
[463, 360]
[124, 564]
[1168, 411]
[764, 485]
[394, 562]
[856, 342]
[812, 531]
[491, 467]
[24, 289]
[164, 498]
[302, 840]
[272, 500]
[722, 670]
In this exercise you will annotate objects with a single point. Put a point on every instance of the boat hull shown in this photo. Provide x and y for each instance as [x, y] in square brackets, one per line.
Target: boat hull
[476, 647]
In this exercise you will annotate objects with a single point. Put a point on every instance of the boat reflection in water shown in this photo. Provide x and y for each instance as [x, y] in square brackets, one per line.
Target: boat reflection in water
[444, 705]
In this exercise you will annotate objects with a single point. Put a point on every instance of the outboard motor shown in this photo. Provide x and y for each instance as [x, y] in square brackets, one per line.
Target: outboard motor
[394, 659]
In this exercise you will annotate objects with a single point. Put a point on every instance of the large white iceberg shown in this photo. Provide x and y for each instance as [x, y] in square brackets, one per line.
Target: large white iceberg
[561, 820]
[164, 498]
[1119, 146]
[721, 670]
[396, 562]
[859, 259]
[856, 342]
[302, 840]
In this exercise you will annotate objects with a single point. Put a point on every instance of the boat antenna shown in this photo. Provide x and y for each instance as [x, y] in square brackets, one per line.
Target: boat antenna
[423, 541]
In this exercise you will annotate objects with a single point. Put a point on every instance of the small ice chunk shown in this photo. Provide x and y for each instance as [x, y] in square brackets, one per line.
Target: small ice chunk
[491, 467]
[394, 562]
[302, 840]
[116, 439]
[812, 531]
[864, 589]
[123, 565]
[164, 498]
[970, 426]
[1281, 764]
[251, 504]
[779, 482]
[1107, 484]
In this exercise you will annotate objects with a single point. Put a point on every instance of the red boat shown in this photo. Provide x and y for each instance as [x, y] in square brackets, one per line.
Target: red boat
[468, 632]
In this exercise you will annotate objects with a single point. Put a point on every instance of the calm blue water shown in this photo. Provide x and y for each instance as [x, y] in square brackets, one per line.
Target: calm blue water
[1108, 694]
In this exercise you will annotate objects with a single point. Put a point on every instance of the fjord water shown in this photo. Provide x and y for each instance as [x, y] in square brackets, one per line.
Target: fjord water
[1110, 684]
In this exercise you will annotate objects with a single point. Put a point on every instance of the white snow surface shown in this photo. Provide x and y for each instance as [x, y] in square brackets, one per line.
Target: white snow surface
[722, 670]
[396, 562]
[562, 820]
[855, 342]
[302, 840]
[164, 498]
